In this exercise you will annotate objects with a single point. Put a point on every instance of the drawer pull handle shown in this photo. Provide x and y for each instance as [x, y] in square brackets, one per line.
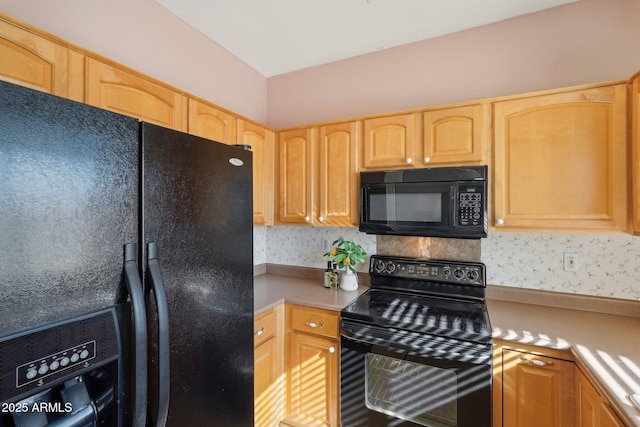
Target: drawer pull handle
[314, 324]
[259, 332]
[536, 362]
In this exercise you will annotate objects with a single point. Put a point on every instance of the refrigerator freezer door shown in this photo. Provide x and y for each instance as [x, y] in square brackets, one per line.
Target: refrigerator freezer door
[197, 207]
[68, 204]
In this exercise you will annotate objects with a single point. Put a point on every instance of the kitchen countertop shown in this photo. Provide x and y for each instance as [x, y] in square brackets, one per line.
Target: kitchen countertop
[605, 345]
[271, 290]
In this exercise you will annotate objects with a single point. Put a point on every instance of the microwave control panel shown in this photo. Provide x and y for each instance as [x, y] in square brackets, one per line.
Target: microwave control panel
[470, 206]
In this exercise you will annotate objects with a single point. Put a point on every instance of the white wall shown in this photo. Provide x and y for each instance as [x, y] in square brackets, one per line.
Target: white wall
[584, 42]
[144, 36]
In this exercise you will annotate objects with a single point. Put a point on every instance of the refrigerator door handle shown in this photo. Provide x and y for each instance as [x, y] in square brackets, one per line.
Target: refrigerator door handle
[163, 333]
[139, 334]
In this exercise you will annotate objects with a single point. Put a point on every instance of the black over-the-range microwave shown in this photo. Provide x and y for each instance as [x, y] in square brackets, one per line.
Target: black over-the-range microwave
[430, 202]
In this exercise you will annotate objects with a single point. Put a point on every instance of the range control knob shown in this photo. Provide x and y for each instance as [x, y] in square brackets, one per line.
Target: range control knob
[391, 267]
[458, 274]
[473, 275]
[446, 271]
[379, 266]
[31, 373]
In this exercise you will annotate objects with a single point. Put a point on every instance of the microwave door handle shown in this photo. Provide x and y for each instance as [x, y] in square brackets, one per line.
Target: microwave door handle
[453, 217]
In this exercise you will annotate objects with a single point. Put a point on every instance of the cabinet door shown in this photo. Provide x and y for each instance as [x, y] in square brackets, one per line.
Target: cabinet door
[338, 175]
[587, 403]
[37, 63]
[635, 144]
[561, 161]
[454, 135]
[313, 380]
[295, 174]
[608, 418]
[389, 142]
[261, 142]
[117, 90]
[537, 391]
[267, 384]
[593, 409]
[209, 122]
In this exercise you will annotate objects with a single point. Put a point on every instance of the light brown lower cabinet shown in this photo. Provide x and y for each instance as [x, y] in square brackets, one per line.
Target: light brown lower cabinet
[268, 368]
[537, 390]
[296, 367]
[592, 408]
[312, 360]
[536, 386]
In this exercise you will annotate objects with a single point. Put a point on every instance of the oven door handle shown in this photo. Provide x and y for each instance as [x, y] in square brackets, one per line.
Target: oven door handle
[424, 345]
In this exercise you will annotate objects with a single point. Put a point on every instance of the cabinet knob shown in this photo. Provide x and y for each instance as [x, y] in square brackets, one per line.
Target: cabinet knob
[307, 218]
[427, 159]
[332, 349]
[409, 160]
[259, 332]
[321, 218]
[536, 362]
[314, 324]
[500, 221]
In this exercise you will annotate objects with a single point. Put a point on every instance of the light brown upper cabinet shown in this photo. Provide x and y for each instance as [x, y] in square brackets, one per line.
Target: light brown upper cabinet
[561, 161]
[37, 63]
[635, 144]
[261, 142]
[389, 142]
[211, 123]
[338, 174]
[119, 91]
[455, 135]
[318, 175]
[295, 154]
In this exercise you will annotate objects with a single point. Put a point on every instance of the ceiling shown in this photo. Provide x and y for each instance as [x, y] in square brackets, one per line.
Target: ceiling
[279, 36]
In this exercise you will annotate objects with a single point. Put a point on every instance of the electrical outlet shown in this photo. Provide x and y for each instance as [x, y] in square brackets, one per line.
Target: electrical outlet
[570, 261]
[326, 245]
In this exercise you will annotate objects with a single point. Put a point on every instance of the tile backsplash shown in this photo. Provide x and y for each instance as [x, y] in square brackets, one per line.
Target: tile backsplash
[608, 265]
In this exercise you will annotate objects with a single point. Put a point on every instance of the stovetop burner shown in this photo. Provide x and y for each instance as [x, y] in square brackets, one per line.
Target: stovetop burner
[443, 298]
[466, 320]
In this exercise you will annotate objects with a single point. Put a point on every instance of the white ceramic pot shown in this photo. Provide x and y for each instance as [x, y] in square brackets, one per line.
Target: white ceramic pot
[349, 280]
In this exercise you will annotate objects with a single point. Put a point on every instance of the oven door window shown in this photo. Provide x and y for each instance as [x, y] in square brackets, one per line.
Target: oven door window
[408, 204]
[425, 395]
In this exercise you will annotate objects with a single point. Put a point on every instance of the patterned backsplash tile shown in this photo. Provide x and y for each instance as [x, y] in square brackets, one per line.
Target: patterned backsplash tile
[609, 265]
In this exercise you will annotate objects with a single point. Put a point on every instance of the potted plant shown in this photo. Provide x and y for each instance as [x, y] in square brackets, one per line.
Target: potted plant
[346, 254]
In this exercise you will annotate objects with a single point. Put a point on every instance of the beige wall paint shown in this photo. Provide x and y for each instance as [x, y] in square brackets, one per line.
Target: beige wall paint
[585, 42]
[144, 36]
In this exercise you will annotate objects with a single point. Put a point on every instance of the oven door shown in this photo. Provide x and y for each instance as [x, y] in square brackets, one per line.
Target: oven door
[396, 378]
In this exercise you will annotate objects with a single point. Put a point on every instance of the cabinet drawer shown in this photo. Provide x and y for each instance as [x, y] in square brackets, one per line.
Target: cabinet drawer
[264, 328]
[312, 321]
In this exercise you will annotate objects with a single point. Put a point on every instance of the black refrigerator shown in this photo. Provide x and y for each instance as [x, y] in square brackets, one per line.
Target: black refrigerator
[95, 210]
